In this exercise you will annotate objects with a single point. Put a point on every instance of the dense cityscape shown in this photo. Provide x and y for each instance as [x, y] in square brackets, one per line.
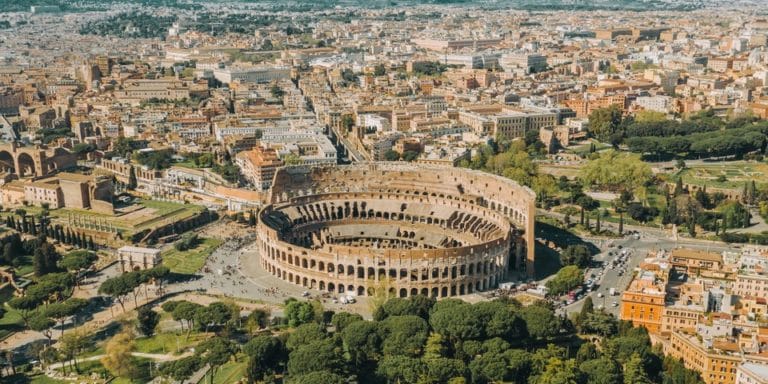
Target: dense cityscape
[410, 192]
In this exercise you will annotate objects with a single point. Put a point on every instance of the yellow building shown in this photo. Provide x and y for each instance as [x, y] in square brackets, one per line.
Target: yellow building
[643, 302]
[716, 361]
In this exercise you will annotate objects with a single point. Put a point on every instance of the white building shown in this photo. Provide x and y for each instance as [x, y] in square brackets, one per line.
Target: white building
[655, 103]
[137, 258]
[752, 373]
[256, 74]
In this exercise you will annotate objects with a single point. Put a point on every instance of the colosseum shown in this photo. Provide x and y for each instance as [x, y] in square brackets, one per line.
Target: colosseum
[407, 228]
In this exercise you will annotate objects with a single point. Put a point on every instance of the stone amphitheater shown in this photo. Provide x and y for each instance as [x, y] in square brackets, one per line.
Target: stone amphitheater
[405, 228]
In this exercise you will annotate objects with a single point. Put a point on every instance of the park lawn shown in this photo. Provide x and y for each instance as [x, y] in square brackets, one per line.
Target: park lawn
[736, 173]
[583, 149]
[169, 342]
[43, 379]
[39, 378]
[10, 322]
[190, 261]
[230, 372]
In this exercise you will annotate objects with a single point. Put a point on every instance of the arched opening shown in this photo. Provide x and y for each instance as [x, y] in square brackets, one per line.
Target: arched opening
[360, 290]
[403, 292]
[6, 162]
[26, 165]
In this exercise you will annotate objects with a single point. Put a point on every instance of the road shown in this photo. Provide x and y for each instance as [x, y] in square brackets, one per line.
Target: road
[638, 250]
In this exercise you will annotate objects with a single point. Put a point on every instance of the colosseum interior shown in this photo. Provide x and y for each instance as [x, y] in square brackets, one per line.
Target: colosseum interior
[407, 228]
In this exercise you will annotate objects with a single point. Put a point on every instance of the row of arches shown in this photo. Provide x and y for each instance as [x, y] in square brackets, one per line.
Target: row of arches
[437, 291]
[23, 164]
[322, 212]
[490, 266]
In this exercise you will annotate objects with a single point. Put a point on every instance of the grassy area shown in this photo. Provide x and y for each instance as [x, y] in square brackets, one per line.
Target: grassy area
[11, 322]
[230, 372]
[21, 378]
[190, 261]
[169, 342]
[155, 213]
[87, 368]
[727, 175]
[583, 149]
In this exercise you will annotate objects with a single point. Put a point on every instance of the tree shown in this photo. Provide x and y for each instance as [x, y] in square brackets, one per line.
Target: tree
[215, 352]
[148, 320]
[347, 122]
[401, 369]
[118, 359]
[442, 370]
[70, 344]
[341, 320]
[45, 258]
[215, 314]
[304, 334]
[78, 261]
[604, 122]
[566, 279]
[540, 322]
[379, 70]
[404, 335]
[64, 310]
[602, 371]
[319, 377]
[186, 311]
[181, 369]
[634, 372]
[298, 312]
[117, 287]
[559, 372]
[391, 155]
[256, 320]
[132, 181]
[43, 324]
[362, 342]
[578, 255]
[601, 323]
[588, 307]
[615, 171]
[318, 355]
[266, 355]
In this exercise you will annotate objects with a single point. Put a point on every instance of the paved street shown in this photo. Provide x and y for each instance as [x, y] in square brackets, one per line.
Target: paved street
[637, 250]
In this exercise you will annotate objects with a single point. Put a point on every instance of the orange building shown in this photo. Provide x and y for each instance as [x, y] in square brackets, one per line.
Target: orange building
[583, 107]
[643, 302]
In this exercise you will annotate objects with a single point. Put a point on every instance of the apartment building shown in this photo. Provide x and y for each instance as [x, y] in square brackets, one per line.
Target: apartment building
[716, 361]
[751, 285]
[497, 120]
[694, 261]
[258, 166]
[255, 74]
[752, 373]
[643, 302]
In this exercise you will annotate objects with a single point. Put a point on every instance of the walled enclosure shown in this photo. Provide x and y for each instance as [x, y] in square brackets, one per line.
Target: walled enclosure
[407, 228]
